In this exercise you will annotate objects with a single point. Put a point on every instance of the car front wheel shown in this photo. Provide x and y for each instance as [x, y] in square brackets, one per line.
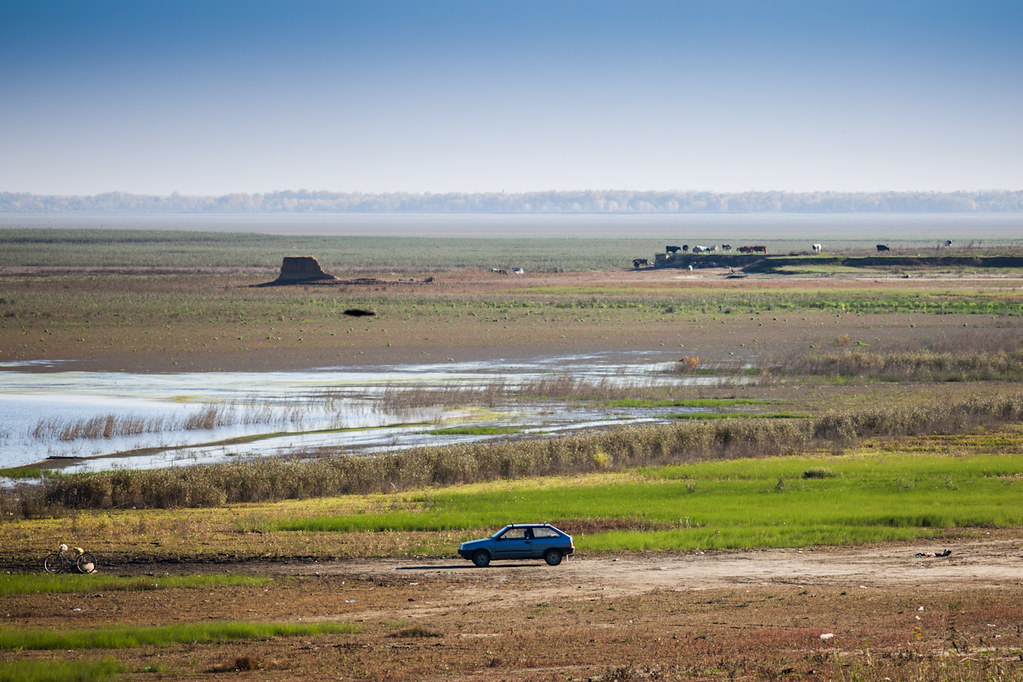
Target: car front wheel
[552, 557]
[481, 558]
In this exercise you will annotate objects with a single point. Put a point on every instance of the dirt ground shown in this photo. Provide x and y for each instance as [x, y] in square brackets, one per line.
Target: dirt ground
[193, 343]
[838, 613]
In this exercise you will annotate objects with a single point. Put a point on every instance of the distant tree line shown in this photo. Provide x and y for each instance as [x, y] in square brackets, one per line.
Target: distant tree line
[586, 201]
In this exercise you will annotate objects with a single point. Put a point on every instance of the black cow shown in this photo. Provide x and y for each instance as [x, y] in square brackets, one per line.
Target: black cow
[882, 247]
[672, 249]
[636, 262]
[685, 247]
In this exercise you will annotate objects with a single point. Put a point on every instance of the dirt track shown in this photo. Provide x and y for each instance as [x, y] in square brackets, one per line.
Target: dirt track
[972, 564]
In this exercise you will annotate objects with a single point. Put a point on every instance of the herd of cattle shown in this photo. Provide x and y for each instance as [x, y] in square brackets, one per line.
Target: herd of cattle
[672, 250]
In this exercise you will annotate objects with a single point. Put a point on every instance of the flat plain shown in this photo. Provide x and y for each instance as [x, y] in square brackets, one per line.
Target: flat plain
[651, 594]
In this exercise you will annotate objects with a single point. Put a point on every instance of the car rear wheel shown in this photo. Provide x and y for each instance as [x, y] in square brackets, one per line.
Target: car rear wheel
[481, 558]
[552, 556]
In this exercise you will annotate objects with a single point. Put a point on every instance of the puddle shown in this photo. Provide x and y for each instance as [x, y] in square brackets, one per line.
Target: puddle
[331, 409]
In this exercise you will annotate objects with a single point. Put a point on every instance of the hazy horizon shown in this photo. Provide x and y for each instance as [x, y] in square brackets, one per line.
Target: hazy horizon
[210, 98]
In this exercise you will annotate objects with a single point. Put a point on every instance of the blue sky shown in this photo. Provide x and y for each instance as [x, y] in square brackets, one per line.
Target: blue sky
[212, 97]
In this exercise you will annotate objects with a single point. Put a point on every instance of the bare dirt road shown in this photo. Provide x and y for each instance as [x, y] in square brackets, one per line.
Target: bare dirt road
[973, 564]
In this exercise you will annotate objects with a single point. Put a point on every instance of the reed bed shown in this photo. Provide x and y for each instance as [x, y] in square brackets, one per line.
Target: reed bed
[332, 473]
[95, 428]
[398, 398]
[920, 365]
[208, 418]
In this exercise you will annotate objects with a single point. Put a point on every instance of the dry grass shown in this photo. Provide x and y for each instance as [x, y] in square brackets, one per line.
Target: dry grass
[94, 428]
[917, 365]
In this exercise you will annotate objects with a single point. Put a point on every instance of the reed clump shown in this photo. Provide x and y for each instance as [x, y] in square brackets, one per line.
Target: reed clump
[95, 428]
[398, 398]
[920, 365]
[207, 418]
[332, 473]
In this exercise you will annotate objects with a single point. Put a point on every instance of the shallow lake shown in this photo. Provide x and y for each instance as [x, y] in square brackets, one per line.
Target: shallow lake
[123, 420]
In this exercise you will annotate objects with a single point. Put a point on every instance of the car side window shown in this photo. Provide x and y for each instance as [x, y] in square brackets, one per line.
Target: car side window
[514, 534]
[544, 533]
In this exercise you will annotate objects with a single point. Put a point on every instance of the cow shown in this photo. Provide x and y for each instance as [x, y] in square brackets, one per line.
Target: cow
[636, 262]
[948, 242]
[726, 247]
[699, 249]
[745, 249]
[672, 249]
[759, 249]
[817, 248]
[685, 247]
[882, 247]
[712, 247]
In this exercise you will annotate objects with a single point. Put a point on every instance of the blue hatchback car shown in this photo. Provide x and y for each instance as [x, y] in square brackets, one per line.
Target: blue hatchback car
[520, 541]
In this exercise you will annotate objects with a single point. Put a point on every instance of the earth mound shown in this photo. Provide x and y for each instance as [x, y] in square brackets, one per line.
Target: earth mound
[300, 269]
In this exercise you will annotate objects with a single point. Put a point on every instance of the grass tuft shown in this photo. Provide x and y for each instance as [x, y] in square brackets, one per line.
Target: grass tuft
[124, 637]
[45, 583]
[60, 671]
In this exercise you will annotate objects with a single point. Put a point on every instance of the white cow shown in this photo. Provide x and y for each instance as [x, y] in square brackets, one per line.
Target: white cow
[817, 248]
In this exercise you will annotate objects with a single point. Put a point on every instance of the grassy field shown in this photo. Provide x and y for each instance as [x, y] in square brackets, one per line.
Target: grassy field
[852, 499]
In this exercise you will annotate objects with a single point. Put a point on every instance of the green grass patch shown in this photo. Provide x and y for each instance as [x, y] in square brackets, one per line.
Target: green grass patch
[475, 431]
[125, 636]
[24, 472]
[60, 671]
[735, 504]
[45, 583]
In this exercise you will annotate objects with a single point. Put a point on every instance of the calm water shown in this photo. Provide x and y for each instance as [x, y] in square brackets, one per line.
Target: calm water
[296, 412]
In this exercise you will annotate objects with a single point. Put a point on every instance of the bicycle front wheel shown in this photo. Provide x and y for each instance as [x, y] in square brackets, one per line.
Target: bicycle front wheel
[86, 563]
[52, 564]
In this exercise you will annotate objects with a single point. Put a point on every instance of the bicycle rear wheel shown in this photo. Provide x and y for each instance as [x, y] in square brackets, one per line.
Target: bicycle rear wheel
[86, 563]
[52, 563]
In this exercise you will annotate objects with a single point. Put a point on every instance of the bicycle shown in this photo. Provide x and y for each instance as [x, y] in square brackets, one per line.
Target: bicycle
[69, 560]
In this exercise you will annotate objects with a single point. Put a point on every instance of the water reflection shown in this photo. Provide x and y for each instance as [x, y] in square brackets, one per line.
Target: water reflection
[203, 417]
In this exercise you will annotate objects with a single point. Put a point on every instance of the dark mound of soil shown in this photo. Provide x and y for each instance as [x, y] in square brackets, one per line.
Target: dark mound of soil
[300, 270]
